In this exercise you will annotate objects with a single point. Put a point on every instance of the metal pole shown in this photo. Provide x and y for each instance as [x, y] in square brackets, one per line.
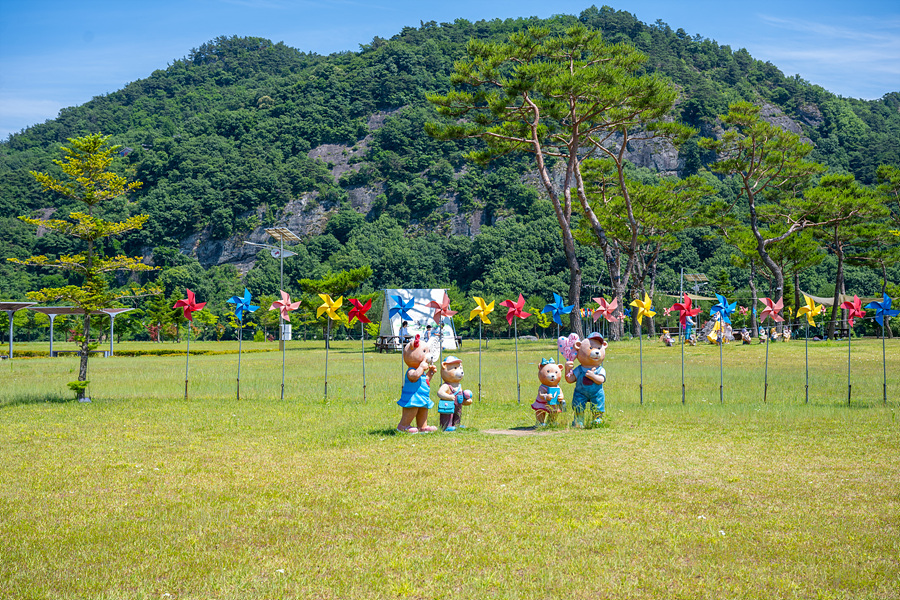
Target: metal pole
[849, 387]
[766, 385]
[240, 341]
[280, 317]
[518, 388]
[10, 313]
[807, 362]
[187, 362]
[327, 336]
[362, 333]
[883, 358]
[641, 352]
[681, 335]
[52, 317]
[479, 359]
[721, 370]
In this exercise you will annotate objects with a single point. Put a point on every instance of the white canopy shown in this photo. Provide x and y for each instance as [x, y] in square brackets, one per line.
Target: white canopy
[421, 315]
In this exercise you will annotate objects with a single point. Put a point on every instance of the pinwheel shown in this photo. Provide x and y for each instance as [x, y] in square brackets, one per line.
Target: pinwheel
[556, 310]
[854, 309]
[241, 305]
[284, 306]
[684, 311]
[329, 307]
[401, 309]
[883, 313]
[441, 310]
[190, 305]
[516, 310]
[644, 309]
[607, 310]
[481, 310]
[358, 312]
[722, 310]
[770, 311]
[810, 310]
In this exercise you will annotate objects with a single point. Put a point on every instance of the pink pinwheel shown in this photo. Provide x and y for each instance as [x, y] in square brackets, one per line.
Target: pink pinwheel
[190, 305]
[854, 308]
[285, 306]
[441, 309]
[771, 310]
[606, 309]
[515, 309]
[359, 310]
[685, 310]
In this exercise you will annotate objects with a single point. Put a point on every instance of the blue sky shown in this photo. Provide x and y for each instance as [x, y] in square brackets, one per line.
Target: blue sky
[55, 54]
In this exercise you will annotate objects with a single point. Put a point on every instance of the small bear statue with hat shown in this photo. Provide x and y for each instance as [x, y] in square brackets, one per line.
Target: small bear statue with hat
[451, 396]
[588, 377]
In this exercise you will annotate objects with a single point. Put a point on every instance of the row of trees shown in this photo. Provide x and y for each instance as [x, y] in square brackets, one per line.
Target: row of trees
[569, 98]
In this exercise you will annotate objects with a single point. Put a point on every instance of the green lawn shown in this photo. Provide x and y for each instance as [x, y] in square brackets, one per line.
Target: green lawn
[141, 494]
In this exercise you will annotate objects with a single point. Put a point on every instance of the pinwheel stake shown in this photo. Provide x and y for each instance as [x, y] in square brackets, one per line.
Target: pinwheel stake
[606, 310]
[644, 308]
[328, 307]
[358, 312]
[684, 311]
[854, 309]
[441, 310]
[883, 312]
[190, 305]
[771, 310]
[810, 310]
[515, 310]
[723, 311]
[482, 310]
[241, 304]
[556, 310]
[401, 309]
[285, 306]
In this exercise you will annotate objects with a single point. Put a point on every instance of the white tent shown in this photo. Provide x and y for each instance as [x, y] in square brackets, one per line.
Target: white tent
[421, 314]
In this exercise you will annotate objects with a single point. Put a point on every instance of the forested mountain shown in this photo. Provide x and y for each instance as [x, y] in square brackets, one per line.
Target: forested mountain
[243, 133]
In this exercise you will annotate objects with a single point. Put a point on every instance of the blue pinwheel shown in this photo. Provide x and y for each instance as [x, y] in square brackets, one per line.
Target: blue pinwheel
[401, 308]
[883, 313]
[556, 309]
[723, 308]
[241, 305]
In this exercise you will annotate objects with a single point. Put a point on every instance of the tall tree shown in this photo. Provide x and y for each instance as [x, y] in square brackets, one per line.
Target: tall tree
[770, 164]
[562, 98]
[852, 210]
[89, 181]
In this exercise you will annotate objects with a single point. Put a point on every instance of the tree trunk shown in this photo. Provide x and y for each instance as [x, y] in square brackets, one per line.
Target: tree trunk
[85, 348]
[754, 325]
[838, 285]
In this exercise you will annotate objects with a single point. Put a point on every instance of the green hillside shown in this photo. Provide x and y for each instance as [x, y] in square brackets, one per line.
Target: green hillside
[242, 131]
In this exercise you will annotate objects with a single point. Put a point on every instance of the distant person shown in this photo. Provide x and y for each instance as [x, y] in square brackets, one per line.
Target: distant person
[404, 332]
[428, 333]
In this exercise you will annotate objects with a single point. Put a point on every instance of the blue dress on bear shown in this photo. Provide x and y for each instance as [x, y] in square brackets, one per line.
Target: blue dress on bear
[415, 393]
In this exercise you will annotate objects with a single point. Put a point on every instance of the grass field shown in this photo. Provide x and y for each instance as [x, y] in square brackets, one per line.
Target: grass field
[141, 494]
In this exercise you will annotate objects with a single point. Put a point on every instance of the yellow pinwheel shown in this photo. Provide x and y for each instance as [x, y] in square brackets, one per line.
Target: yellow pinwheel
[810, 310]
[482, 310]
[330, 306]
[643, 308]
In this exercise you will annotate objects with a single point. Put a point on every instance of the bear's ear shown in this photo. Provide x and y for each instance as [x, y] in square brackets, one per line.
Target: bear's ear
[605, 344]
[577, 346]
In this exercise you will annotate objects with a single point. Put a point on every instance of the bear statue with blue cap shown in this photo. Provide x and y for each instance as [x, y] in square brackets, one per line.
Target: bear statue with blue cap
[588, 377]
[451, 396]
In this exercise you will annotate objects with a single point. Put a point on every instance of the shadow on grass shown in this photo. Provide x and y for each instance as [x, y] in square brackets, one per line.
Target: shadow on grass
[21, 401]
[383, 432]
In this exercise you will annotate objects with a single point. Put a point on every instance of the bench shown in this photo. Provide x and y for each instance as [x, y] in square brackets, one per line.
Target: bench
[104, 353]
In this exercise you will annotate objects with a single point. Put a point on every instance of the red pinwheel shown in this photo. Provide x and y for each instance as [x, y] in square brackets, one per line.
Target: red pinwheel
[854, 309]
[685, 310]
[190, 305]
[606, 310]
[515, 309]
[359, 310]
[771, 310]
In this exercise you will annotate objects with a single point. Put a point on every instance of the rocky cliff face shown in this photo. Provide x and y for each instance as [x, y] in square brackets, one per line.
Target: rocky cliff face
[307, 216]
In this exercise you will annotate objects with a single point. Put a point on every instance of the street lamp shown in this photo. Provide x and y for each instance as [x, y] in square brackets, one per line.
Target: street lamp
[281, 234]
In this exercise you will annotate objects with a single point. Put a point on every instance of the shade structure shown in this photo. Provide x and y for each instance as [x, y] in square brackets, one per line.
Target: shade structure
[11, 308]
[56, 311]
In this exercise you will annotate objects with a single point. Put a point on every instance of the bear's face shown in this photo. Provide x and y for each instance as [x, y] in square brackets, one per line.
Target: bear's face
[550, 374]
[452, 372]
[591, 352]
[414, 353]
